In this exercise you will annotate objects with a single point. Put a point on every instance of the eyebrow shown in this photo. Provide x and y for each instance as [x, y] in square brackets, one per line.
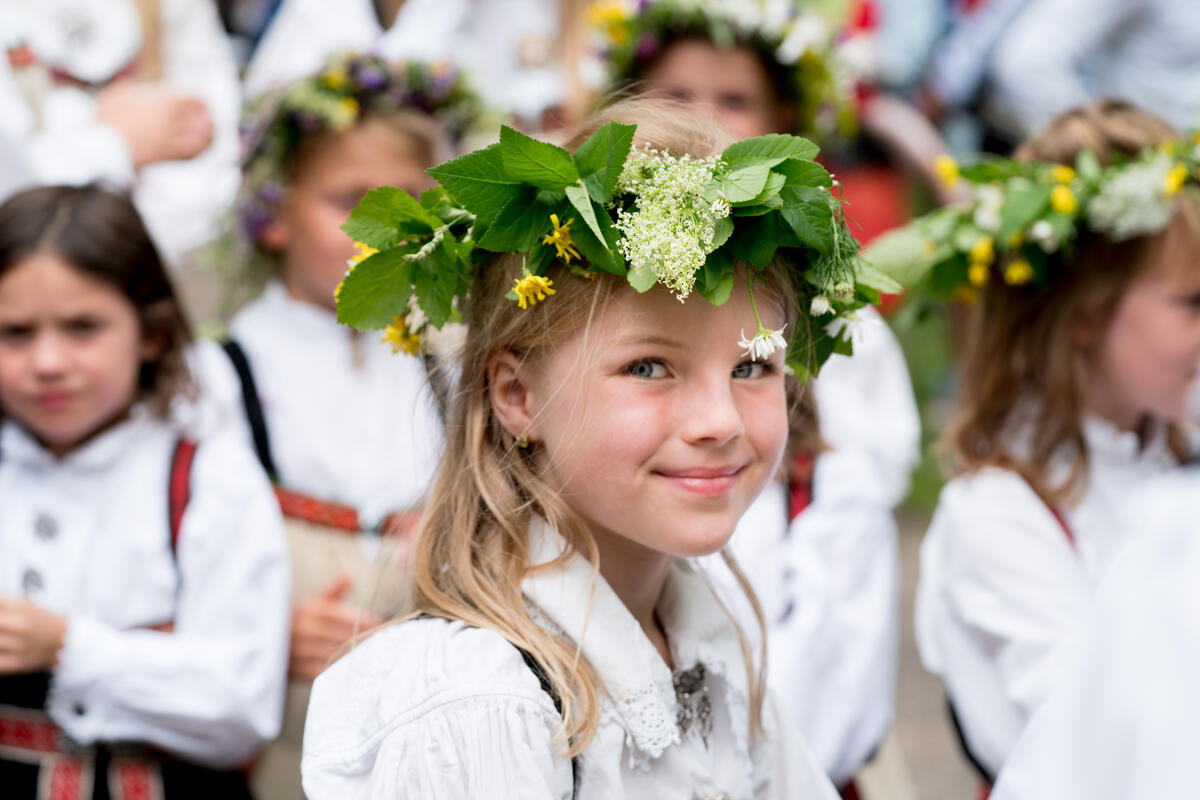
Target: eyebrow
[650, 339]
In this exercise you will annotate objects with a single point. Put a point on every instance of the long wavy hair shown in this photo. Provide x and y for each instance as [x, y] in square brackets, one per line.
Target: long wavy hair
[1022, 396]
[471, 552]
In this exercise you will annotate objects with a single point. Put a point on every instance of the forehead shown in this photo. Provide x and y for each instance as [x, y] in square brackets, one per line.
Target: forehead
[701, 64]
[1176, 258]
[44, 282]
[371, 151]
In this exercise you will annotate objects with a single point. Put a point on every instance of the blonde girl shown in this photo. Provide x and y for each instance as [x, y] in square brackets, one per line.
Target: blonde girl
[600, 438]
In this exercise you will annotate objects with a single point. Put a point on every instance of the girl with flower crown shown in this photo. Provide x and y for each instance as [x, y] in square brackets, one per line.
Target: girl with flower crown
[619, 409]
[825, 563]
[1086, 337]
[347, 430]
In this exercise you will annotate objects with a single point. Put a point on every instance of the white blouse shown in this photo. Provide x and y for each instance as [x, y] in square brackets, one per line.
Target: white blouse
[435, 709]
[1125, 718]
[348, 420]
[829, 582]
[87, 537]
[56, 129]
[1001, 587]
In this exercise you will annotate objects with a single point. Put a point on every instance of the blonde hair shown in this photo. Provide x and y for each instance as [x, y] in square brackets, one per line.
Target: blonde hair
[471, 553]
[1025, 341]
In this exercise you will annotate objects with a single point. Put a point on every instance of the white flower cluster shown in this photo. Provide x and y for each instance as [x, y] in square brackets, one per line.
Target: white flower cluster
[670, 228]
[1132, 202]
[764, 343]
[988, 201]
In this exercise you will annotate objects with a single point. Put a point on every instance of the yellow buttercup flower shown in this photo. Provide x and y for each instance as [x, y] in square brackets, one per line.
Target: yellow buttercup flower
[1175, 179]
[531, 289]
[335, 78]
[1018, 272]
[347, 113]
[977, 274]
[947, 168]
[365, 251]
[983, 252]
[560, 237]
[611, 17]
[1062, 174]
[1062, 200]
[399, 338]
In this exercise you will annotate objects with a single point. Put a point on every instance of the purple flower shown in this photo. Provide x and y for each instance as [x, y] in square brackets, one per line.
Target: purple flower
[647, 47]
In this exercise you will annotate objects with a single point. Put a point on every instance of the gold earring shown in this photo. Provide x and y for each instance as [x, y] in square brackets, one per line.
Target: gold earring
[523, 441]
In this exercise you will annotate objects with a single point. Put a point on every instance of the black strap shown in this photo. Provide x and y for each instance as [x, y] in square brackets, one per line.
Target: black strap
[987, 776]
[253, 406]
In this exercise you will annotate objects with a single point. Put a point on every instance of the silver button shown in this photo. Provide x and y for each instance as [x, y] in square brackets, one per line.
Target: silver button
[31, 581]
[45, 526]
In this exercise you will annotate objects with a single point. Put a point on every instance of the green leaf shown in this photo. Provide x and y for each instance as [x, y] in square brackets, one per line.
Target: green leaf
[715, 279]
[769, 150]
[905, 255]
[375, 291]
[435, 280]
[775, 182]
[948, 275]
[743, 185]
[543, 165]
[642, 278]
[722, 230]
[479, 181]
[601, 253]
[867, 275]
[601, 158]
[811, 221]
[519, 225]
[385, 216]
[578, 196]
[1021, 207]
[1087, 166]
[801, 173]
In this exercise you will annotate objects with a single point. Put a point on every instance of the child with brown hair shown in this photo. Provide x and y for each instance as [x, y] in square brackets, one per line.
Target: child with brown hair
[631, 306]
[347, 430]
[143, 577]
[1085, 339]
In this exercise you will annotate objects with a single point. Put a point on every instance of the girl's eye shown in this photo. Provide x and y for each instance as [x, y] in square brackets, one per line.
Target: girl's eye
[13, 334]
[647, 368]
[83, 326]
[751, 369]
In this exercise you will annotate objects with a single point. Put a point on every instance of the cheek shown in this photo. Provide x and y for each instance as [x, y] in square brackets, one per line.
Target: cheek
[765, 413]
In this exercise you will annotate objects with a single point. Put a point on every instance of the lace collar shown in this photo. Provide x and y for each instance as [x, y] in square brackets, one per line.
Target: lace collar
[637, 681]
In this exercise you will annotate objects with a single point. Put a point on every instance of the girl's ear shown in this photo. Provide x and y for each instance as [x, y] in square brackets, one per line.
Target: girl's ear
[510, 395]
[157, 320]
[275, 236]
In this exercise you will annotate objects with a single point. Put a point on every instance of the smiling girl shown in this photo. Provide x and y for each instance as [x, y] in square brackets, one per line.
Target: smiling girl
[613, 420]
[143, 578]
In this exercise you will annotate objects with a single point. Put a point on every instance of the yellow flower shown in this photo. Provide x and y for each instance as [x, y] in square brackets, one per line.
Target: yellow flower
[347, 113]
[1175, 179]
[610, 17]
[947, 168]
[1062, 200]
[560, 237]
[399, 338]
[337, 290]
[364, 252]
[977, 274]
[966, 294]
[532, 288]
[335, 78]
[1018, 272]
[1062, 174]
[983, 252]
[1016, 240]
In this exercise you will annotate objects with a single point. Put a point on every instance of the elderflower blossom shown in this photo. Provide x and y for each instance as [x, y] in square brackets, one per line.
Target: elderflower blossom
[764, 343]
[670, 228]
[1132, 202]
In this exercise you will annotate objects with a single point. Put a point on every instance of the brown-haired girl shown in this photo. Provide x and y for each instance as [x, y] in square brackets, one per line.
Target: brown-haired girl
[1086, 338]
[143, 578]
[603, 433]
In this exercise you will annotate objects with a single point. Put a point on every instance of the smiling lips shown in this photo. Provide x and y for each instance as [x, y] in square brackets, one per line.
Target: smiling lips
[53, 401]
[705, 482]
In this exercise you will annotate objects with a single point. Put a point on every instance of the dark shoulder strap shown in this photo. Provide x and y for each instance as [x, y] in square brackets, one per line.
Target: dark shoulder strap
[179, 488]
[253, 406]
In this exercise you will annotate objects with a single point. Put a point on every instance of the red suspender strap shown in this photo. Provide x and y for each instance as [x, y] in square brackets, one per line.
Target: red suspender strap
[1066, 529]
[800, 486]
[179, 487]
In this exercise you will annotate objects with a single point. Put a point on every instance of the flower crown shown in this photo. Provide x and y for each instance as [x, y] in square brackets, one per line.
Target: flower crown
[629, 34]
[335, 99]
[1023, 218]
[648, 216]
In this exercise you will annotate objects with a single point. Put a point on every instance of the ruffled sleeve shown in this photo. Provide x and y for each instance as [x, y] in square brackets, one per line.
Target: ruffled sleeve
[433, 709]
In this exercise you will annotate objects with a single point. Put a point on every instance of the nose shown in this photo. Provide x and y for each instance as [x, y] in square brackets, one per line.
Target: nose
[711, 414]
[49, 355]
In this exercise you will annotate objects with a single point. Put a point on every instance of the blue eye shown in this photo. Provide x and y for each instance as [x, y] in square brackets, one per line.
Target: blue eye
[647, 368]
[750, 369]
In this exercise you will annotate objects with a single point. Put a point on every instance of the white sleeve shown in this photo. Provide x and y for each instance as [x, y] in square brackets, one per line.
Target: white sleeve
[183, 201]
[433, 709]
[1038, 66]
[1000, 590]
[1123, 720]
[832, 659]
[212, 690]
[797, 773]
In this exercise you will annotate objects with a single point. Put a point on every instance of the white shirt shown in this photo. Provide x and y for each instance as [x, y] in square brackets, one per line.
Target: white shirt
[435, 709]
[62, 141]
[829, 582]
[348, 420]
[1001, 588]
[91, 531]
[1125, 718]
[507, 47]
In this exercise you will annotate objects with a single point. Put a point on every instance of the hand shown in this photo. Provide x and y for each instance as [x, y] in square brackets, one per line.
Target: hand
[30, 636]
[158, 122]
[321, 627]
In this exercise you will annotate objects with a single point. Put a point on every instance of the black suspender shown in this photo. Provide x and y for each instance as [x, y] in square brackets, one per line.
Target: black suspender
[253, 406]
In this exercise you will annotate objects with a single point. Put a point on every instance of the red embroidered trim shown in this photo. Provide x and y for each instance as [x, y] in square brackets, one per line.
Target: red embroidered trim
[306, 508]
[66, 780]
[136, 781]
[22, 733]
